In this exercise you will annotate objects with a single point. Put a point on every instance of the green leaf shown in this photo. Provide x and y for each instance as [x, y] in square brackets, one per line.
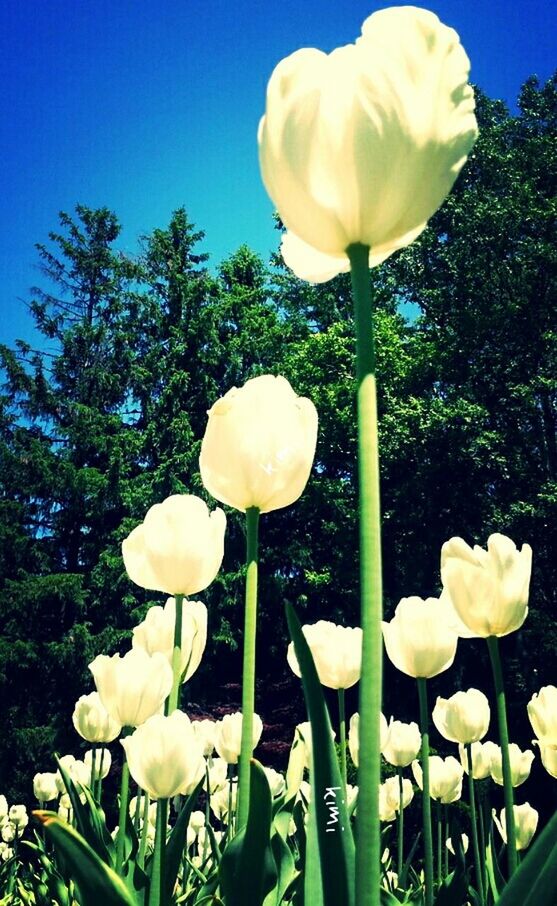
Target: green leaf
[247, 870]
[97, 882]
[535, 881]
[333, 829]
[177, 841]
[89, 818]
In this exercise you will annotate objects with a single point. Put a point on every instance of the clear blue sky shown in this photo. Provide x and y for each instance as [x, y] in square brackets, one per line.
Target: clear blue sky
[146, 105]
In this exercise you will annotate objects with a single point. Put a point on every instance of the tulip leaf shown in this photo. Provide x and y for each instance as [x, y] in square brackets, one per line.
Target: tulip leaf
[332, 824]
[177, 841]
[97, 882]
[535, 881]
[247, 870]
[89, 817]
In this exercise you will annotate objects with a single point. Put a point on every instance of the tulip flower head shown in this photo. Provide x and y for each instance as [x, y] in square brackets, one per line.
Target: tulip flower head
[548, 755]
[445, 778]
[44, 787]
[100, 760]
[362, 145]
[392, 792]
[403, 743]
[92, 721]
[482, 755]
[354, 735]
[420, 640]
[464, 717]
[259, 445]
[465, 843]
[206, 731]
[156, 633]
[525, 822]
[228, 739]
[178, 548]
[134, 687]
[521, 764]
[164, 756]
[488, 589]
[542, 711]
[336, 651]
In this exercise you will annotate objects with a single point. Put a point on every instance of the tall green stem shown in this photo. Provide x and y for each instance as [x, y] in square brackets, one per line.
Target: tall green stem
[400, 827]
[474, 823]
[156, 889]
[248, 677]
[342, 734]
[368, 846]
[439, 843]
[123, 812]
[426, 801]
[176, 656]
[144, 832]
[493, 648]
[446, 831]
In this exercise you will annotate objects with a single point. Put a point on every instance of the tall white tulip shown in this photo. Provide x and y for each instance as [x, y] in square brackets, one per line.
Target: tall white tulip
[521, 764]
[259, 445]
[100, 760]
[525, 822]
[206, 731]
[392, 792]
[548, 755]
[403, 743]
[420, 639]
[488, 589]
[92, 721]
[336, 651]
[164, 756]
[445, 775]
[363, 144]
[156, 633]
[354, 735]
[228, 739]
[464, 717]
[482, 755]
[44, 787]
[178, 548]
[542, 711]
[133, 687]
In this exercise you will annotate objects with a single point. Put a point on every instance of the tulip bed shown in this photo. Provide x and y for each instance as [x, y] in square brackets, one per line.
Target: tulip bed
[358, 149]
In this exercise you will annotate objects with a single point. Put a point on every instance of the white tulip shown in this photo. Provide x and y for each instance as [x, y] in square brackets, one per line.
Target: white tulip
[403, 743]
[138, 802]
[482, 755]
[178, 548]
[156, 633]
[218, 773]
[101, 759]
[392, 792]
[488, 589]
[542, 711]
[164, 757]
[206, 732]
[525, 823]
[445, 778]
[18, 816]
[92, 721]
[44, 787]
[134, 687]
[228, 740]
[336, 651]
[521, 764]
[464, 717]
[420, 640]
[277, 783]
[259, 445]
[221, 799]
[465, 843]
[548, 755]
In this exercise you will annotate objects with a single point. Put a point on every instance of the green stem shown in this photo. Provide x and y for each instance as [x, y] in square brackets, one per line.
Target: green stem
[400, 827]
[137, 815]
[493, 648]
[176, 656]
[439, 843]
[474, 823]
[98, 795]
[156, 889]
[368, 846]
[446, 836]
[248, 676]
[482, 841]
[342, 735]
[123, 813]
[144, 832]
[426, 802]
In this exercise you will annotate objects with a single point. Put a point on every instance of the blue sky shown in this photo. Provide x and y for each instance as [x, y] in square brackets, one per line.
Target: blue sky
[144, 106]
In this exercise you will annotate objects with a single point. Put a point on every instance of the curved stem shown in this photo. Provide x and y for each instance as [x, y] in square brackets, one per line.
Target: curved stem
[156, 889]
[248, 674]
[474, 823]
[493, 648]
[342, 736]
[176, 656]
[400, 827]
[426, 802]
[368, 843]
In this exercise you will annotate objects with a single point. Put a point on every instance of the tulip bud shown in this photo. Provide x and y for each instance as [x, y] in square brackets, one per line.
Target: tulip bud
[482, 754]
[134, 687]
[101, 759]
[525, 823]
[205, 731]
[548, 754]
[92, 721]
[163, 755]
[228, 741]
[445, 778]
[3, 807]
[44, 787]
[138, 803]
[403, 743]
[392, 792]
[387, 810]
[178, 548]
[259, 445]
[352, 147]
[6, 852]
[276, 782]
[218, 772]
[488, 589]
[156, 633]
[221, 799]
[542, 711]
[521, 764]
[336, 652]
[420, 640]
[9, 832]
[18, 816]
[464, 717]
